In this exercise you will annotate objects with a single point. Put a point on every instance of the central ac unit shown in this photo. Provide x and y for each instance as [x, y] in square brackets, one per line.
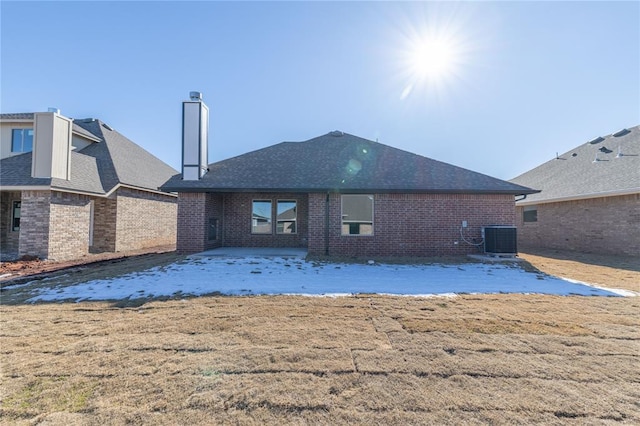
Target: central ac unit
[500, 240]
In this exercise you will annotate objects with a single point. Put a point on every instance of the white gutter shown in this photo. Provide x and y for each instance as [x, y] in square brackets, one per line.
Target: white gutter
[621, 192]
[91, 194]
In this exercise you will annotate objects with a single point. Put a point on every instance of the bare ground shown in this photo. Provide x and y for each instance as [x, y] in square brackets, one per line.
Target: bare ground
[369, 359]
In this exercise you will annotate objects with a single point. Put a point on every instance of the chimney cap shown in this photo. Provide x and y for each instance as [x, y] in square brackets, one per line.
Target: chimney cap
[195, 96]
[53, 110]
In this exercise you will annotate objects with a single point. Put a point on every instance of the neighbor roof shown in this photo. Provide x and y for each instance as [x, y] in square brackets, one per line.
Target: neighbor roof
[339, 162]
[96, 169]
[604, 166]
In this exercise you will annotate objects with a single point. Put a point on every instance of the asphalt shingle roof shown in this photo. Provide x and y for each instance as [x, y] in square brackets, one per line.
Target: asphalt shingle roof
[340, 162]
[97, 168]
[578, 174]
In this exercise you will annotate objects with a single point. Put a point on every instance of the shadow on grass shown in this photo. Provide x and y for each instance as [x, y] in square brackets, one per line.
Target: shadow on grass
[629, 263]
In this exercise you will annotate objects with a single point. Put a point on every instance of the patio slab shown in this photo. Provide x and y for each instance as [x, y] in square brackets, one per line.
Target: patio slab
[260, 252]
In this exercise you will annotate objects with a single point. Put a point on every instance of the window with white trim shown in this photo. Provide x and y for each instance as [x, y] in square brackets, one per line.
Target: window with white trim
[357, 214]
[21, 140]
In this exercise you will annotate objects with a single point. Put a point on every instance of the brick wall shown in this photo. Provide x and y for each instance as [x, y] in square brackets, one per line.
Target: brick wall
[599, 225]
[410, 224]
[237, 221]
[9, 238]
[404, 224]
[34, 224]
[192, 216]
[69, 216]
[144, 219]
[104, 224]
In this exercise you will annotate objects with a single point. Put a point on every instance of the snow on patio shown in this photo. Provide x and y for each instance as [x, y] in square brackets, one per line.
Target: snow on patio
[268, 276]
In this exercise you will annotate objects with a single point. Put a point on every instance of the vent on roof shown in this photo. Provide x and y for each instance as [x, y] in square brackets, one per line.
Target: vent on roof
[621, 133]
[605, 150]
[596, 140]
[106, 126]
[336, 133]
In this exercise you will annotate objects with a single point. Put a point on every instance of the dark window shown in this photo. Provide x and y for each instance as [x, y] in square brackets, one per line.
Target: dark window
[15, 216]
[357, 214]
[530, 214]
[21, 140]
[287, 216]
[261, 217]
[212, 230]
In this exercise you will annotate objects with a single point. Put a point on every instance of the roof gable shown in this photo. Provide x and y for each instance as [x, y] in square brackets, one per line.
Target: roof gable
[603, 166]
[96, 169]
[340, 162]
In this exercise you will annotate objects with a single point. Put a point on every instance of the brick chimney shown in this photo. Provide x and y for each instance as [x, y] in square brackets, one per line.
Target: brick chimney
[51, 145]
[195, 137]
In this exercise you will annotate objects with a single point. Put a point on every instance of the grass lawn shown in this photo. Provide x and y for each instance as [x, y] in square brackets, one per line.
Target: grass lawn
[359, 360]
[367, 359]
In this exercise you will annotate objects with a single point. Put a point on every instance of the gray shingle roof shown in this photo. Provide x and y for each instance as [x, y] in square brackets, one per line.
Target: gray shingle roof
[340, 162]
[577, 173]
[17, 116]
[97, 168]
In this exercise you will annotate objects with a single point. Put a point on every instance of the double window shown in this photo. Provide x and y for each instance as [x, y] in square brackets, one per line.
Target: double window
[21, 140]
[357, 214]
[262, 217]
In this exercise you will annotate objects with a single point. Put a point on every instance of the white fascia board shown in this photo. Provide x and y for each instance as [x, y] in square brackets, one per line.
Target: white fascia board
[137, 188]
[24, 188]
[87, 137]
[621, 192]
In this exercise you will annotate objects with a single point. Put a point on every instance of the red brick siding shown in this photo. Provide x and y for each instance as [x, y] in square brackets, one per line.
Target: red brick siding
[9, 239]
[599, 225]
[237, 220]
[144, 219]
[404, 224]
[192, 211]
[411, 224]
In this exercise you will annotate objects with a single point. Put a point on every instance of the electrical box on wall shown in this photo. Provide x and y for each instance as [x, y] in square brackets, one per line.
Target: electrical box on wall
[500, 240]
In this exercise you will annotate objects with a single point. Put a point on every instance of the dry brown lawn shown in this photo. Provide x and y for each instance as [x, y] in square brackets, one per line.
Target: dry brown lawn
[491, 359]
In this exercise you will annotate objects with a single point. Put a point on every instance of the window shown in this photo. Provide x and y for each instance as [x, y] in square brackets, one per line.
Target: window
[212, 229]
[21, 140]
[261, 217]
[530, 214]
[15, 216]
[286, 220]
[357, 215]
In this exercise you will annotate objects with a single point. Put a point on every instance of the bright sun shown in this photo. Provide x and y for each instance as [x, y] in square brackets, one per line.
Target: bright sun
[431, 62]
[432, 59]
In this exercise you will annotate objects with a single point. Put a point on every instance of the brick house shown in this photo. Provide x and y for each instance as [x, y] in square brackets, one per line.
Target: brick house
[70, 187]
[336, 194]
[590, 199]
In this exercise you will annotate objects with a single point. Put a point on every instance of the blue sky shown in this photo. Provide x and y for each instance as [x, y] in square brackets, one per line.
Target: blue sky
[526, 80]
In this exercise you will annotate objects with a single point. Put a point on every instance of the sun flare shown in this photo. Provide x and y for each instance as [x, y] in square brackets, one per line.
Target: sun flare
[432, 59]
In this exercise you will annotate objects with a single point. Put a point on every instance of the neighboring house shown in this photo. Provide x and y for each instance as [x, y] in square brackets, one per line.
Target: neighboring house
[68, 187]
[590, 199]
[336, 194]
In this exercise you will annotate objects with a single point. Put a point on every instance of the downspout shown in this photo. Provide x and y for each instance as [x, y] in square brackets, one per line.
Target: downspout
[326, 225]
